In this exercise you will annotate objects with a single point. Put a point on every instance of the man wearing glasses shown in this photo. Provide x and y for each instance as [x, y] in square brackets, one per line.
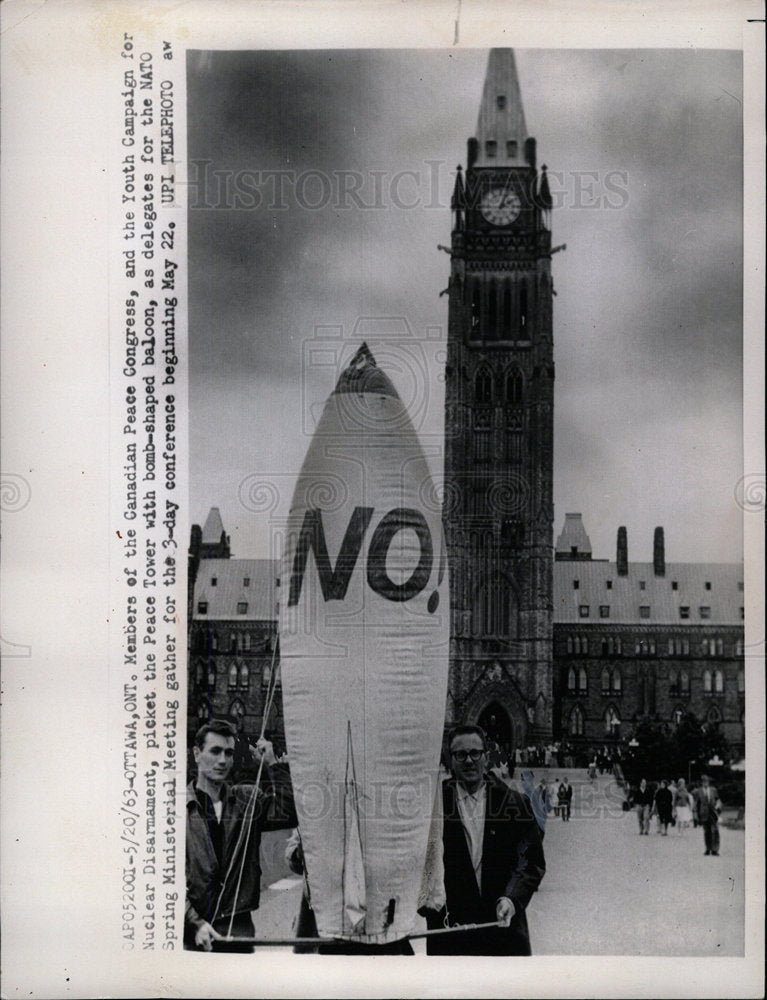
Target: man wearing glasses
[492, 855]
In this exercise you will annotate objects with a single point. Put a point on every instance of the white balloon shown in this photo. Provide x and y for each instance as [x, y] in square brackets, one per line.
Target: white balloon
[364, 632]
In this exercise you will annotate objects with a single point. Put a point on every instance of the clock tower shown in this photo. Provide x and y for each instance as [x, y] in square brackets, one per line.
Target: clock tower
[499, 408]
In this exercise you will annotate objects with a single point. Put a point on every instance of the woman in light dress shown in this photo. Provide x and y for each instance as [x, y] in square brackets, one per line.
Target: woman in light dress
[682, 806]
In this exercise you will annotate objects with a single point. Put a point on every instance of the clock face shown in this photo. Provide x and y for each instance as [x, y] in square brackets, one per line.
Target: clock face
[500, 207]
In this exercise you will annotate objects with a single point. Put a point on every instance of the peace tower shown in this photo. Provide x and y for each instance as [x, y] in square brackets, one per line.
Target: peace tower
[499, 409]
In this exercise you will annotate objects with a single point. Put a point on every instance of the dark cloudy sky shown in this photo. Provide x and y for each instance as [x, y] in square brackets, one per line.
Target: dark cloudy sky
[287, 271]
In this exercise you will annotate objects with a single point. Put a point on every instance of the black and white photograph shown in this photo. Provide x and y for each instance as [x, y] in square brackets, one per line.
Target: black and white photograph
[466, 476]
[382, 499]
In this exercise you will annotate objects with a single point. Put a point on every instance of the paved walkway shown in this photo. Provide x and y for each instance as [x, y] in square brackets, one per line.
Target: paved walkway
[607, 891]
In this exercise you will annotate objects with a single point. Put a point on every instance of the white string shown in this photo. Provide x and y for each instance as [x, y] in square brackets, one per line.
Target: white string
[250, 808]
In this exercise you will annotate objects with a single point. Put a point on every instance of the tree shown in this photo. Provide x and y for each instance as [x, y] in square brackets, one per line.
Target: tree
[665, 750]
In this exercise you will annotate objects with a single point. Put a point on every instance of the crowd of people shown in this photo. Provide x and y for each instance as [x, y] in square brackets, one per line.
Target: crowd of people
[492, 845]
[673, 804]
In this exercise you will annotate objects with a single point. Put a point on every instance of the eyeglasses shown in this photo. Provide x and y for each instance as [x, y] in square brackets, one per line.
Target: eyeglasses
[462, 755]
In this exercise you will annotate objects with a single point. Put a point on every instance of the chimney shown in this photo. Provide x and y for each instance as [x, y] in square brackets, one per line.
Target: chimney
[622, 558]
[659, 553]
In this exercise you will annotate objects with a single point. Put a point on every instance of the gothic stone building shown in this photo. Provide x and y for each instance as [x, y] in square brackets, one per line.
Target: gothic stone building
[232, 633]
[644, 639]
[499, 415]
[630, 640]
[574, 648]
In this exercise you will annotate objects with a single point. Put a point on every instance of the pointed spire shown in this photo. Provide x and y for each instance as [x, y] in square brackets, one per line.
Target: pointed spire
[214, 527]
[458, 197]
[544, 193]
[501, 129]
[364, 375]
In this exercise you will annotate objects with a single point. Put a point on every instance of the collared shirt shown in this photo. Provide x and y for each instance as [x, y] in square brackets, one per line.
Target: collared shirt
[471, 807]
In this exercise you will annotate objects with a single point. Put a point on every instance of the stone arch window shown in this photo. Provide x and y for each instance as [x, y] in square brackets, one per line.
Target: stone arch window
[720, 647]
[199, 672]
[576, 721]
[741, 682]
[492, 313]
[515, 387]
[475, 327]
[612, 721]
[233, 641]
[583, 681]
[617, 682]
[246, 642]
[237, 712]
[571, 680]
[605, 681]
[673, 682]
[707, 681]
[244, 675]
[684, 682]
[577, 643]
[704, 647]
[714, 715]
[211, 673]
[570, 644]
[496, 608]
[584, 645]
[507, 321]
[618, 647]
[718, 682]
[214, 640]
[233, 674]
[523, 311]
[483, 387]
[202, 711]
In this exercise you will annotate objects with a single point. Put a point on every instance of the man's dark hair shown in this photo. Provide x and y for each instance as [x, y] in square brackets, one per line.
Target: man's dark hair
[218, 726]
[466, 731]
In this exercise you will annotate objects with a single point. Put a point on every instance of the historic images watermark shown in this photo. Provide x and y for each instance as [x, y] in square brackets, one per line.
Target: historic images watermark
[250, 189]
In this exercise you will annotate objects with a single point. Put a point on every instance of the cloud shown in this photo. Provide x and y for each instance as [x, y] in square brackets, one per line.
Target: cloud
[647, 319]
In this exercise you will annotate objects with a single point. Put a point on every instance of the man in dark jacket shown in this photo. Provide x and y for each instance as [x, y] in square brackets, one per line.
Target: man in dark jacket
[223, 836]
[565, 799]
[707, 809]
[643, 799]
[493, 856]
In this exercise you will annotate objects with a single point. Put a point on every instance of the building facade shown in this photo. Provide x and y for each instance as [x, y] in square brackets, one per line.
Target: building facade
[546, 642]
[499, 418]
[637, 640]
[631, 641]
[232, 633]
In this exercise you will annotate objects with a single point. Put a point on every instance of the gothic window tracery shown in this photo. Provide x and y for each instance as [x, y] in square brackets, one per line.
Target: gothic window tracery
[576, 721]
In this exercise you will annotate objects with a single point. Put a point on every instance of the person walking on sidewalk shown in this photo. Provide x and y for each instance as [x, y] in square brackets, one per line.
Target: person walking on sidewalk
[707, 809]
[682, 807]
[554, 796]
[565, 799]
[663, 805]
[643, 799]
